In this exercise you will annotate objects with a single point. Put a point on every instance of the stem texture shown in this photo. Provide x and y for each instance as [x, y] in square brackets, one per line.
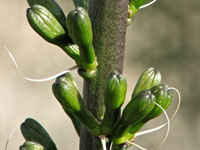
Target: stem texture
[109, 22]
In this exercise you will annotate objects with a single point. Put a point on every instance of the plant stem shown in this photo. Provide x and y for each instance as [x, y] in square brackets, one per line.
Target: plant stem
[109, 22]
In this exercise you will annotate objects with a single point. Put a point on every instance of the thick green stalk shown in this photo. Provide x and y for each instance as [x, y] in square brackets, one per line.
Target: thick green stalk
[109, 20]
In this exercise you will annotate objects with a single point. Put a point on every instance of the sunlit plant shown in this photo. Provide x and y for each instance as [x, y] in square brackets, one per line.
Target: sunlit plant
[74, 34]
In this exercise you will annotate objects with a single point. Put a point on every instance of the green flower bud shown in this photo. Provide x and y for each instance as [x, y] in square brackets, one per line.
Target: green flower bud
[75, 121]
[149, 78]
[70, 99]
[80, 30]
[47, 26]
[33, 131]
[53, 7]
[139, 107]
[163, 97]
[115, 93]
[135, 111]
[31, 145]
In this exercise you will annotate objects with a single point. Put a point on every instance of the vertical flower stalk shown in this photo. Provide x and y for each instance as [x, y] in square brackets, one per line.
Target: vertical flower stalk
[109, 19]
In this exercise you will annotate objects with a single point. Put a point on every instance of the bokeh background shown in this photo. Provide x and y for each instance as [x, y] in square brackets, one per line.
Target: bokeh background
[165, 35]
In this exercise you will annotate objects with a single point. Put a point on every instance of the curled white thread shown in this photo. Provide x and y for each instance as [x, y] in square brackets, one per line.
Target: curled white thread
[179, 101]
[163, 125]
[168, 123]
[103, 142]
[38, 80]
[140, 147]
[148, 4]
[11, 134]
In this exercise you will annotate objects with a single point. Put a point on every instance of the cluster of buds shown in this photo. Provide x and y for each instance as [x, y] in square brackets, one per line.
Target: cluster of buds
[72, 33]
[118, 128]
[142, 107]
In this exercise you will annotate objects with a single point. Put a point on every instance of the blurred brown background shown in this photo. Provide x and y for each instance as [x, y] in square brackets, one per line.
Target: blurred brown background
[165, 35]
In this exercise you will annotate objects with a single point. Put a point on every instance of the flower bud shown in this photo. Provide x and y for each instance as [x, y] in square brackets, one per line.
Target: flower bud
[45, 24]
[135, 111]
[70, 99]
[53, 7]
[80, 30]
[139, 107]
[48, 27]
[115, 93]
[163, 97]
[33, 131]
[149, 78]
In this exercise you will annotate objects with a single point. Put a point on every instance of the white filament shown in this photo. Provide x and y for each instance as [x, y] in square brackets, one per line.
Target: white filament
[11, 134]
[163, 125]
[151, 130]
[148, 4]
[111, 145]
[168, 123]
[179, 101]
[38, 80]
[103, 142]
[140, 147]
[148, 131]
